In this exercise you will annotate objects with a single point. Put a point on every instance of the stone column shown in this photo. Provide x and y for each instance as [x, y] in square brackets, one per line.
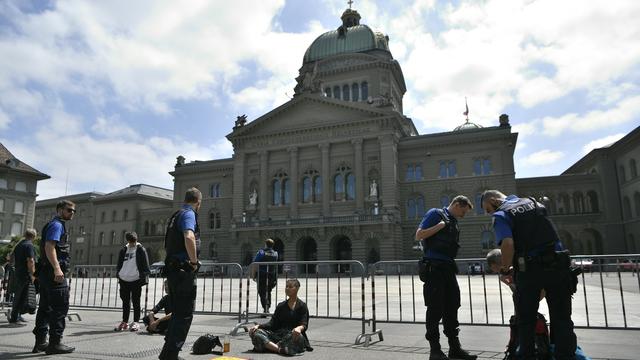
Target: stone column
[360, 188]
[388, 175]
[326, 178]
[238, 185]
[263, 196]
[293, 178]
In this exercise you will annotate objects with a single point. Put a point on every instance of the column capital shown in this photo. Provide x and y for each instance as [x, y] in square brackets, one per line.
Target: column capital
[292, 149]
[324, 146]
[357, 142]
[263, 153]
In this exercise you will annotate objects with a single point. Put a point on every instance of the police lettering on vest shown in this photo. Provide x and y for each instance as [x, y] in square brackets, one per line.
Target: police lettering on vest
[533, 232]
[446, 241]
[269, 255]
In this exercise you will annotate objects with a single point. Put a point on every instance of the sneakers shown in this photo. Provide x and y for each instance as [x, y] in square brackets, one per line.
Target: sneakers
[134, 326]
[121, 326]
[21, 319]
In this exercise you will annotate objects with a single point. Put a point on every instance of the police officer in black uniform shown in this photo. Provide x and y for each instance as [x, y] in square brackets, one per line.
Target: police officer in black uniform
[267, 274]
[181, 266]
[439, 234]
[52, 274]
[533, 257]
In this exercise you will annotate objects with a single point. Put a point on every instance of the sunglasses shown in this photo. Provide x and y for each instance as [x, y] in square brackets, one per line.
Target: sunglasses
[73, 211]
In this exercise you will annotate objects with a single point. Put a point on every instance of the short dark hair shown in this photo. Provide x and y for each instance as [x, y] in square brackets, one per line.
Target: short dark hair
[295, 282]
[269, 243]
[462, 200]
[64, 203]
[131, 235]
[193, 195]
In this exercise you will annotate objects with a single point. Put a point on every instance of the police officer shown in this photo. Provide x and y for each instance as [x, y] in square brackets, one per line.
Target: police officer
[267, 274]
[532, 256]
[439, 234]
[181, 266]
[54, 288]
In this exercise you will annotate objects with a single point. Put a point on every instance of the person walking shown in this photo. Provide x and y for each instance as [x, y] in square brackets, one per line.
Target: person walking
[181, 266]
[24, 275]
[439, 234]
[55, 257]
[533, 257]
[133, 273]
[267, 275]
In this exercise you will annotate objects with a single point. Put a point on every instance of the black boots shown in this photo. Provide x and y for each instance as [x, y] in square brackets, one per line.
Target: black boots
[41, 344]
[55, 347]
[456, 352]
[435, 352]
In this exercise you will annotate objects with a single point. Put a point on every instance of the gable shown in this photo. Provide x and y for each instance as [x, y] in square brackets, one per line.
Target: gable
[309, 112]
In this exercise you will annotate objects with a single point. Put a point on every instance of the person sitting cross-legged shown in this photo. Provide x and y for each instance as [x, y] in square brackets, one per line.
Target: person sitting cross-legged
[159, 325]
[285, 333]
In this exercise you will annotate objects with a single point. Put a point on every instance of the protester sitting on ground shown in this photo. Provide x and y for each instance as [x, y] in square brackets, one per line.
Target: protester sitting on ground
[157, 325]
[285, 333]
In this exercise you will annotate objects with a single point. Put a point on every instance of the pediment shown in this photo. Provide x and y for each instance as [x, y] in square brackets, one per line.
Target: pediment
[309, 111]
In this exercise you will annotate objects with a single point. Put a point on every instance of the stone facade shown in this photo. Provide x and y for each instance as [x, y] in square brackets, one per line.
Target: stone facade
[18, 183]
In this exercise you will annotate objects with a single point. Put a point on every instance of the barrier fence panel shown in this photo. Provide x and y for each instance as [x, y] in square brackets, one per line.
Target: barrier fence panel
[219, 288]
[332, 289]
[608, 293]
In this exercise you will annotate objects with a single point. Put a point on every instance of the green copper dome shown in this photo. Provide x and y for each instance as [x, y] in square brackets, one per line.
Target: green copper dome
[357, 38]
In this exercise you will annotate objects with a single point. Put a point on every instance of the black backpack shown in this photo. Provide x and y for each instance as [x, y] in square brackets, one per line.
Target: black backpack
[205, 343]
[541, 340]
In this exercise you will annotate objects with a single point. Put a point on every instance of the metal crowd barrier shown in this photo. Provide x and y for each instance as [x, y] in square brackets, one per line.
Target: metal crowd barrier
[96, 286]
[327, 287]
[608, 294]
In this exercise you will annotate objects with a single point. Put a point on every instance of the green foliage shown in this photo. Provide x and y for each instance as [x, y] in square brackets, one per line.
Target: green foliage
[4, 250]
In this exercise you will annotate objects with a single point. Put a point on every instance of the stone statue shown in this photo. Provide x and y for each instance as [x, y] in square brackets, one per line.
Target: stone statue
[253, 198]
[240, 121]
[373, 189]
[310, 81]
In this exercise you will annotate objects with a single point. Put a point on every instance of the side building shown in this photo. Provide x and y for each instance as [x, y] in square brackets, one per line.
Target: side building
[18, 184]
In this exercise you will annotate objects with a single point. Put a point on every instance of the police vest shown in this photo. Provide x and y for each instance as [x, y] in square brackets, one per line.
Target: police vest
[446, 241]
[174, 237]
[62, 248]
[533, 233]
[269, 255]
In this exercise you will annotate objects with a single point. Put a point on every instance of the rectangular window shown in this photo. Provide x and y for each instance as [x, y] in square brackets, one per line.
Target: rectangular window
[410, 173]
[21, 186]
[443, 169]
[1, 205]
[418, 171]
[448, 168]
[18, 207]
[486, 166]
[482, 166]
[16, 228]
[3, 183]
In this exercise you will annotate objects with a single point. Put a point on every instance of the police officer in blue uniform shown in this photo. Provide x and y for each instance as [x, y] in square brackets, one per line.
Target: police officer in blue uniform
[267, 274]
[52, 274]
[439, 234]
[533, 257]
[181, 267]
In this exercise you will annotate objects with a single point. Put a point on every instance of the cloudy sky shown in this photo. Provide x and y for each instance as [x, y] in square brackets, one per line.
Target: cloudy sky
[104, 94]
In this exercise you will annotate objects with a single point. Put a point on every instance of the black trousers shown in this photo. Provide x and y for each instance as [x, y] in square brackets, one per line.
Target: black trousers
[52, 308]
[557, 284]
[130, 292]
[20, 297]
[442, 298]
[160, 329]
[182, 292]
[266, 283]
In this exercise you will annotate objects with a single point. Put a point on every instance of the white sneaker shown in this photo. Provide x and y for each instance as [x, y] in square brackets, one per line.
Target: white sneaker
[121, 326]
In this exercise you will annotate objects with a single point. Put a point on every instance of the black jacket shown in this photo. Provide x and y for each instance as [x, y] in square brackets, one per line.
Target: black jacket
[142, 261]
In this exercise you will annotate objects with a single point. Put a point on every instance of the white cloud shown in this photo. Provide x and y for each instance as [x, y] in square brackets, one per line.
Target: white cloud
[598, 143]
[4, 120]
[543, 157]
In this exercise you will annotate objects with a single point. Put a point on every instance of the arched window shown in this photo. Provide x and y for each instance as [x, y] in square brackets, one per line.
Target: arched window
[287, 192]
[626, 205]
[124, 237]
[418, 172]
[213, 250]
[218, 220]
[306, 189]
[578, 202]
[355, 92]
[276, 191]
[351, 187]
[317, 188]
[336, 92]
[364, 90]
[102, 238]
[623, 174]
[636, 202]
[113, 237]
[146, 227]
[488, 240]
[113, 215]
[445, 200]
[215, 190]
[592, 202]
[212, 220]
[633, 169]
[345, 93]
[411, 209]
[338, 186]
[327, 92]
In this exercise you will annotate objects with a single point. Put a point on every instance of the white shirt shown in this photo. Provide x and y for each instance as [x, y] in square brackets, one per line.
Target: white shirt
[129, 271]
